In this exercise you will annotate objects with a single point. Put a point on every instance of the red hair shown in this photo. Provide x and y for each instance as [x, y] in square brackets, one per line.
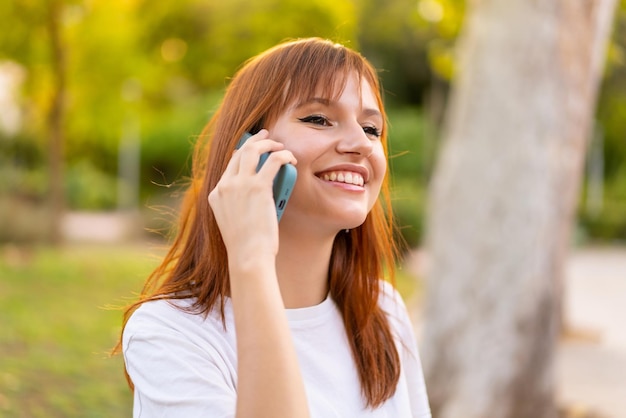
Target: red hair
[196, 264]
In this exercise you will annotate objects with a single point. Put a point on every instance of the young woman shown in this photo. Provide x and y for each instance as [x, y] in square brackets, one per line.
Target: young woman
[249, 316]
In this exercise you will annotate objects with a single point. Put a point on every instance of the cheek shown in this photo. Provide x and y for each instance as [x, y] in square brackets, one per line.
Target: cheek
[379, 162]
[306, 150]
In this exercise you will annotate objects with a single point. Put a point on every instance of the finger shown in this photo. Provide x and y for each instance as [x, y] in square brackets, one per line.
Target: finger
[273, 163]
[233, 166]
[251, 155]
[262, 134]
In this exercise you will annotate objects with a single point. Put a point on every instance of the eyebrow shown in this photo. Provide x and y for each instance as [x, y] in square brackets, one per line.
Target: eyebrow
[372, 112]
[326, 102]
[320, 100]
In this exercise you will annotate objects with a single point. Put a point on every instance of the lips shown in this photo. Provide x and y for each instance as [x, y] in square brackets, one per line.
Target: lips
[347, 177]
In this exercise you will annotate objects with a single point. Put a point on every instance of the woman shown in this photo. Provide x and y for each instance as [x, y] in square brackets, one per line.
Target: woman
[247, 316]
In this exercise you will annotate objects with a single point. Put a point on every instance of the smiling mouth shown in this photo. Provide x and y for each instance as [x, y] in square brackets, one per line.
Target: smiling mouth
[347, 177]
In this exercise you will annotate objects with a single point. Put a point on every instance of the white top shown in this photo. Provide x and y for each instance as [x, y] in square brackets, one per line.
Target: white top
[183, 365]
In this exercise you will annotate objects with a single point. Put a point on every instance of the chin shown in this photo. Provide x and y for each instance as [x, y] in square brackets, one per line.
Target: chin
[337, 217]
[354, 222]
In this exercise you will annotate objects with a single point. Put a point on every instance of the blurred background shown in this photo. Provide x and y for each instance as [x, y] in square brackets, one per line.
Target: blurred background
[100, 105]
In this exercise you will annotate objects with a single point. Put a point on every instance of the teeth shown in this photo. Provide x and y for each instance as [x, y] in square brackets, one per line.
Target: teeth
[344, 177]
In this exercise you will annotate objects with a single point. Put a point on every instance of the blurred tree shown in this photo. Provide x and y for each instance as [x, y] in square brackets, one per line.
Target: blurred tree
[56, 119]
[35, 40]
[162, 66]
[502, 203]
[164, 63]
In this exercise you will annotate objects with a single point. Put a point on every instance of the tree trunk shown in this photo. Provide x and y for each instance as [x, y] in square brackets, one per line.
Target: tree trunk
[56, 190]
[502, 202]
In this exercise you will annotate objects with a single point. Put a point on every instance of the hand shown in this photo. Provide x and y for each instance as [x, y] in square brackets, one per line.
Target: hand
[242, 200]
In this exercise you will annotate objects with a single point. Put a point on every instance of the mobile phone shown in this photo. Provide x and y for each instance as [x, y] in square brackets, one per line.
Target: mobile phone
[283, 182]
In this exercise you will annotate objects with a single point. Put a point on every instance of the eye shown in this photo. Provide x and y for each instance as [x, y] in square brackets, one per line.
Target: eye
[372, 131]
[316, 120]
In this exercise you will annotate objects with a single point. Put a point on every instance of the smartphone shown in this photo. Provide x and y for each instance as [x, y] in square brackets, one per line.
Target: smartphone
[283, 182]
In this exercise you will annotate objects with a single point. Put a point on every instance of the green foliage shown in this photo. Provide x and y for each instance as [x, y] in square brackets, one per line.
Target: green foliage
[218, 36]
[23, 220]
[412, 143]
[21, 162]
[57, 331]
[409, 205]
[157, 63]
[610, 224]
[88, 188]
[167, 142]
[101, 57]
[164, 65]
[23, 215]
[394, 46]
[411, 148]
[611, 112]
[411, 42]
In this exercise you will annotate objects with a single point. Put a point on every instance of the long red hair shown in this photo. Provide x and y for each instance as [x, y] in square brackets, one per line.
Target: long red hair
[196, 264]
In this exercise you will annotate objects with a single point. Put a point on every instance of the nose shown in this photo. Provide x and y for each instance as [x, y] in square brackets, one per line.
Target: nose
[354, 141]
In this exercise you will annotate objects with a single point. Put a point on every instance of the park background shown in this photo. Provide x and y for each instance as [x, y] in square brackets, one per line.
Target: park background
[90, 188]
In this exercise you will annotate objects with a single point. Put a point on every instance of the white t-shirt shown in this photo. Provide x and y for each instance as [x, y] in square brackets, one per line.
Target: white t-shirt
[183, 365]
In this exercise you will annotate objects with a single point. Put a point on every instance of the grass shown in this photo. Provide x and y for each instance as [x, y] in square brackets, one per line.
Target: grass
[57, 327]
[56, 330]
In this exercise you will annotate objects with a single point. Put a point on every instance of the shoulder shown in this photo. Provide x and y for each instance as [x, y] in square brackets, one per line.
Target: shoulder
[391, 302]
[160, 314]
[389, 299]
[165, 332]
[164, 343]
[174, 318]
[413, 388]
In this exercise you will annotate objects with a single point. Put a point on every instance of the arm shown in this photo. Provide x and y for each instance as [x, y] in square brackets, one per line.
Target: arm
[393, 305]
[269, 380]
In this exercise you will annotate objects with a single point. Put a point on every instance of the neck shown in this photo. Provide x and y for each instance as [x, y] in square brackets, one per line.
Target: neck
[302, 267]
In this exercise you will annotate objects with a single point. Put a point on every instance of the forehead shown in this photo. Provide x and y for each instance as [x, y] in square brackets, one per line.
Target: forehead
[351, 89]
